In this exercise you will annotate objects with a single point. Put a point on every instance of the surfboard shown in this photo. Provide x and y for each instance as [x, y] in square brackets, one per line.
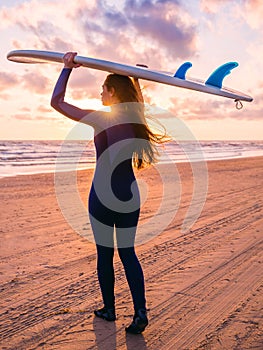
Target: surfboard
[213, 85]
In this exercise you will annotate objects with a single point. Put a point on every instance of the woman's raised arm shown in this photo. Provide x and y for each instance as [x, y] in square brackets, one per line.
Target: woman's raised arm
[57, 100]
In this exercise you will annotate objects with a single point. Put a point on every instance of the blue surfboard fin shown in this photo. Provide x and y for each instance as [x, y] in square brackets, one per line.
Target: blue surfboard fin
[217, 77]
[181, 71]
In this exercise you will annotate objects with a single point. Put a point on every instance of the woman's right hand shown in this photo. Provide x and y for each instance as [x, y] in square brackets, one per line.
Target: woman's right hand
[68, 60]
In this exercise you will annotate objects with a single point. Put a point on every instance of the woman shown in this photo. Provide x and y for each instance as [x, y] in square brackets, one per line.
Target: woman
[122, 139]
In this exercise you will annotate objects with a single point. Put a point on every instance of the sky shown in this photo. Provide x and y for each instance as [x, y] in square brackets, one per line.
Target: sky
[159, 33]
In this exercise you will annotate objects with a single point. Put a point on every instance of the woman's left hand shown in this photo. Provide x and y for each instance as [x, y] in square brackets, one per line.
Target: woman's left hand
[68, 60]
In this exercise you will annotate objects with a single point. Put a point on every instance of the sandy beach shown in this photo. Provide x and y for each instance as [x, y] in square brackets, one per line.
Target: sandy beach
[203, 287]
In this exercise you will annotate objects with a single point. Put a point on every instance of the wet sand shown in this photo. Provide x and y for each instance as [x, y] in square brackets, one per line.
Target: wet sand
[204, 287]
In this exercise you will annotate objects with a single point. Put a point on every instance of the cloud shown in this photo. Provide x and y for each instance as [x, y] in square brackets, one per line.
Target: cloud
[147, 29]
[36, 83]
[85, 83]
[32, 81]
[4, 96]
[194, 109]
[33, 117]
[205, 110]
[213, 6]
[250, 111]
[26, 113]
[22, 116]
[163, 22]
[151, 32]
[7, 81]
[29, 13]
[25, 109]
[45, 35]
[252, 12]
[43, 109]
[42, 25]
[156, 31]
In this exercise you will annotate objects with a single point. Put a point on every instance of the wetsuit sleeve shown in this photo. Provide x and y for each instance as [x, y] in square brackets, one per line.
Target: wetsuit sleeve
[70, 111]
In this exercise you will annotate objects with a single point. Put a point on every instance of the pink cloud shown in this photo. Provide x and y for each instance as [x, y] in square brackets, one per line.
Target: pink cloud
[32, 81]
[26, 113]
[22, 116]
[250, 10]
[44, 109]
[213, 6]
[25, 109]
[191, 109]
[155, 31]
[89, 81]
[36, 83]
[210, 110]
[31, 117]
[153, 20]
[151, 30]
[7, 81]
[250, 111]
[4, 96]
[253, 13]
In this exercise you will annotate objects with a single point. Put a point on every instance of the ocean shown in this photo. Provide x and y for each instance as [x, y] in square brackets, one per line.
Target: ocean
[30, 157]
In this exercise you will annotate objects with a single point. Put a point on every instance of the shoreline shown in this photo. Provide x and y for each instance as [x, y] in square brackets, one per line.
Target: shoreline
[159, 163]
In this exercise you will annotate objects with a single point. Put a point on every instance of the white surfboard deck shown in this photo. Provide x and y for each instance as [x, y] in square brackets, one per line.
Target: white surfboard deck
[36, 56]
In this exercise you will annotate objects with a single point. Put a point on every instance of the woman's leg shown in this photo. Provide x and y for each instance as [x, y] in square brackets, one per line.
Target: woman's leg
[106, 274]
[105, 269]
[134, 275]
[135, 278]
[125, 237]
[103, 235]
[102, 224]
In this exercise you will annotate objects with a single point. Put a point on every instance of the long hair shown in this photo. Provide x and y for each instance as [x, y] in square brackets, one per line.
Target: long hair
[146, 152]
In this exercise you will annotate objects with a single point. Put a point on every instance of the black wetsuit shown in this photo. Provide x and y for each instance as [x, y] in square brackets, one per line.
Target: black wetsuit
[114, 199]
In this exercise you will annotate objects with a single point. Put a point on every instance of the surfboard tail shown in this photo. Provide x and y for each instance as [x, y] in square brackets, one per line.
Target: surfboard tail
[217, 77]
[181, 71]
